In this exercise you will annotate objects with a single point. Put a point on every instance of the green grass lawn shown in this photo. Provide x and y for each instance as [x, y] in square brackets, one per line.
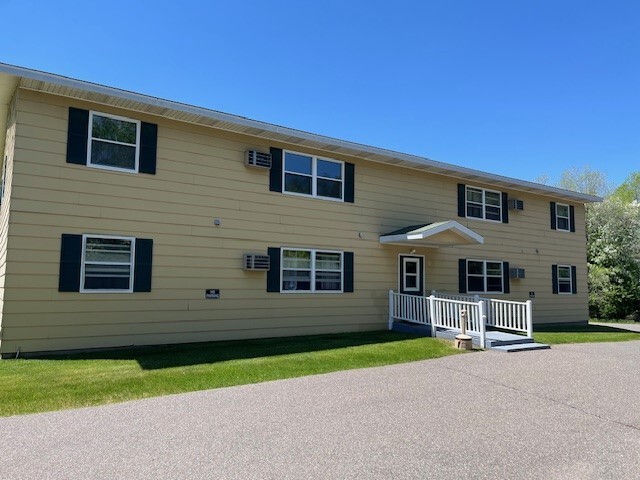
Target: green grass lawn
[70, 381]
[555, 335]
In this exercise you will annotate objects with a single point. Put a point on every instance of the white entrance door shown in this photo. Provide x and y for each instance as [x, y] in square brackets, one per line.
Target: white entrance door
[411, 274]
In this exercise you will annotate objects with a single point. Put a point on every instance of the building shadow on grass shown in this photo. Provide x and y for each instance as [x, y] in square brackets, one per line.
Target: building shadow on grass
[168, 356]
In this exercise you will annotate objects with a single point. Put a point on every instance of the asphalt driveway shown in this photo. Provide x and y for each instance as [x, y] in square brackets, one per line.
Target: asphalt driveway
[569, 412]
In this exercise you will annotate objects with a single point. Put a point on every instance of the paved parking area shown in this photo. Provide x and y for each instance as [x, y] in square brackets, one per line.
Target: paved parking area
[566, 413]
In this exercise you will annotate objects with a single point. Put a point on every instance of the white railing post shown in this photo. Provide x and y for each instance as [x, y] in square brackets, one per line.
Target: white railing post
[390, 309]
[432, 314]
[483, 326]
[529, 319]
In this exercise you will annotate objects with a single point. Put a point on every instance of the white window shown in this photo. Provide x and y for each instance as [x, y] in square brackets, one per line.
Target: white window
[564, 279]
[484, 276]
[312, 176]
[562, 217]
[114, 142]
[4, 178]
[312, 271]
[411, 277]
[107, 263]
[484, 204]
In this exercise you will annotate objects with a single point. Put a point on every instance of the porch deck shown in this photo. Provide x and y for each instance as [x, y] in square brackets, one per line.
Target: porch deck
[445, 316]
[494, 340]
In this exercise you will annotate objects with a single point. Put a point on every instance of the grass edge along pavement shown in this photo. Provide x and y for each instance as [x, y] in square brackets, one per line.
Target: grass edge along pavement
[585, 333]
[110, 376]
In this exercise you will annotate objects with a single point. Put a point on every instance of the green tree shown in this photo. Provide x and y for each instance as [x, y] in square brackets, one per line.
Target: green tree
[585, 180]
[613, 242]
[613, 256]
[629, 191]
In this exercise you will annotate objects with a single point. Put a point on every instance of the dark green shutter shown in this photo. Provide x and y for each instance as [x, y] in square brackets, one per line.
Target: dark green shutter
[572, 218]
[142, 268]
[349, 182]
[505, 208]
[148, 148]
[552, 211]
[273, 275]
[462, 275]
[348, 271]
[275, 174]
[506, 286]
[70, 260]
[77, 136]
[462, 201]
[554, 278]
[574, 278]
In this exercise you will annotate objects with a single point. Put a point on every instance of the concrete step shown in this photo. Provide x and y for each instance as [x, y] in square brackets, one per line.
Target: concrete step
[497, 339]
[520, 347]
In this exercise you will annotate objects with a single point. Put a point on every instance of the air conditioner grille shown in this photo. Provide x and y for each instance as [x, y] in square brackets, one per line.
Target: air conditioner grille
[255, 261]
[516, 273]
[254, 158]
[516, 204]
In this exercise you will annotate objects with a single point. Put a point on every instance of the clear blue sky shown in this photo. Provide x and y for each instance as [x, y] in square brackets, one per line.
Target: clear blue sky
[520, 88]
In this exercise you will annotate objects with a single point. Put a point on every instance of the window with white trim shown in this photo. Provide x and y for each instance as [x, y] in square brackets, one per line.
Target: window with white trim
[565, 279]
[484, 276]
[411, 275]
[4, 178]
[483, 204]
[312, 176]
[563, 221]
[107, 263]
[311, 271]
[114, 142]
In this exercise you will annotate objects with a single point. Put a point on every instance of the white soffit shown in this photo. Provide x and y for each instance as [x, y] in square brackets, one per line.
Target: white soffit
[92, 92]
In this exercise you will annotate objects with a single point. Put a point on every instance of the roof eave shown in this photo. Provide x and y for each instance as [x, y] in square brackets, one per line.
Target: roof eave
[65, 86]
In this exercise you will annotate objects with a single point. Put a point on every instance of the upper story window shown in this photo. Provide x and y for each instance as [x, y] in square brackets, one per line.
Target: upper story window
[482, 203]
[562, 217]
[313, 176]
[485, 204]
[111, 142]
[114, 142]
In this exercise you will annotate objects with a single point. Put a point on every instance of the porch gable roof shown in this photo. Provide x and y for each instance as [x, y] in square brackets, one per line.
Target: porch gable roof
[438, 234]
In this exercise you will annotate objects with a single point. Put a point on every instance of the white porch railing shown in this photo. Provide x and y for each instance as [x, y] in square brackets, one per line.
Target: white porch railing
[438, 312]
[506, 314]
[444, 310]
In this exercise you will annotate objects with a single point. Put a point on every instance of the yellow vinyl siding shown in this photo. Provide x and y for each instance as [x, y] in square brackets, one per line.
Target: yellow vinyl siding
[8, 154]
[201, 176]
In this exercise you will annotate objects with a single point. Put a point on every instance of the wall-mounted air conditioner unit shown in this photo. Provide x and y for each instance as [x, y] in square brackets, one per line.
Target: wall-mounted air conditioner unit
[516, 204]
[255, 261]
[516, 273]
[254, 158]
